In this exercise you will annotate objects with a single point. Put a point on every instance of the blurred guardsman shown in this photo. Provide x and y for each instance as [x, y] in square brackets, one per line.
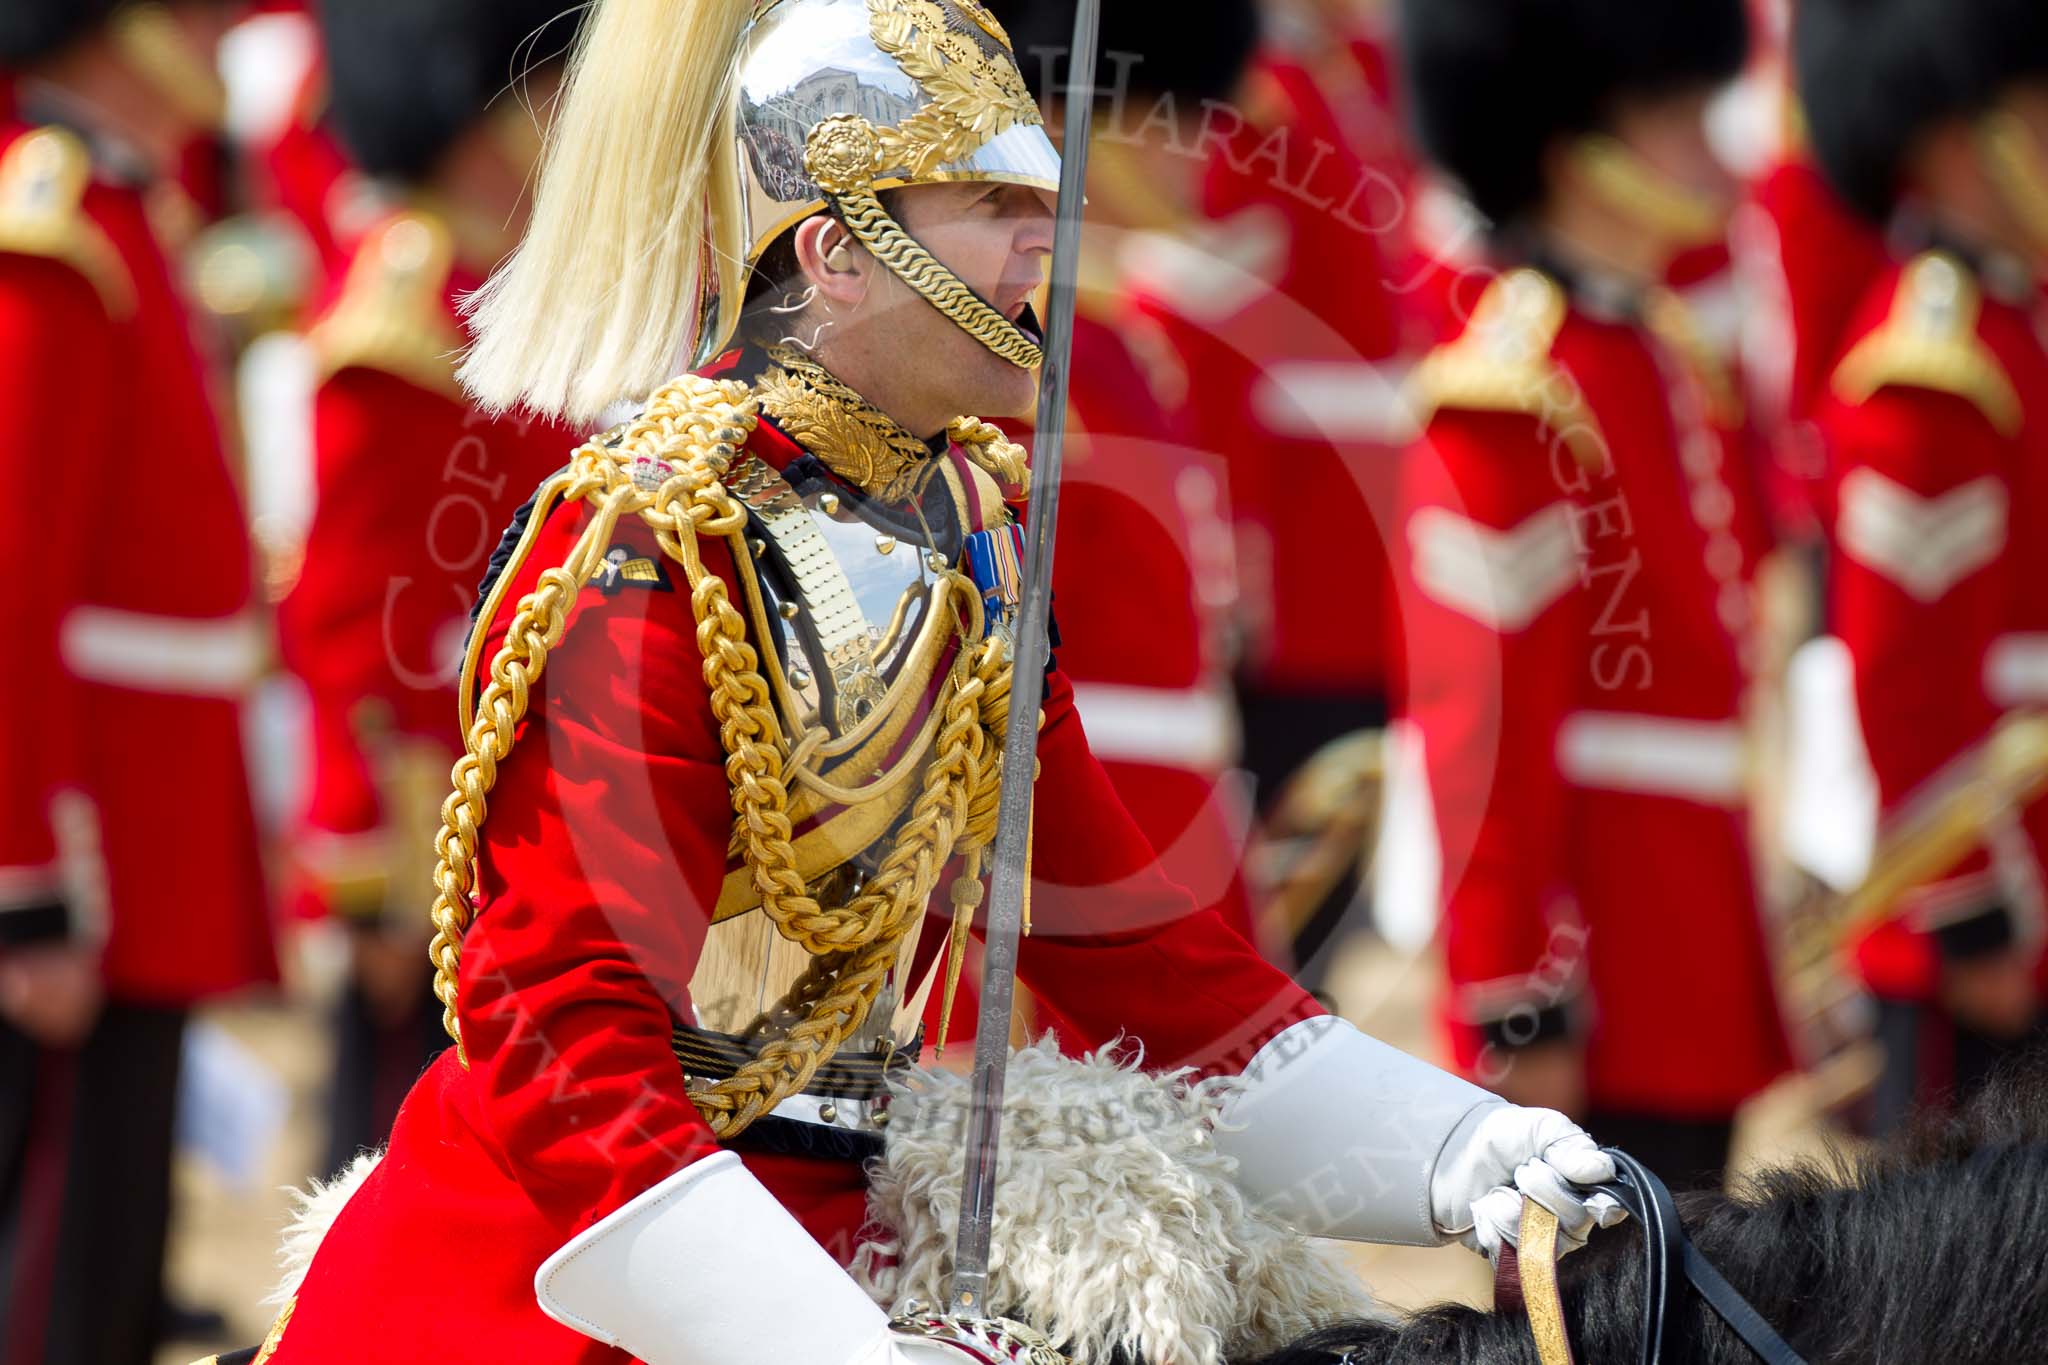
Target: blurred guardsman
[1146, 497]
[1294, 342]
[130, 886]
[422, 93]
[295, 162]
[1577, 551]
[1252, 264]
[1932, 120]
[740, 684]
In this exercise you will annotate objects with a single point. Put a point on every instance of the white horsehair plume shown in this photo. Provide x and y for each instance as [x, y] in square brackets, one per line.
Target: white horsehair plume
[636, 217]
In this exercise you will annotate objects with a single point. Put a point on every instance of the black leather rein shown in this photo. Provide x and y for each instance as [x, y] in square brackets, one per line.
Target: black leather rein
[1670, 1259]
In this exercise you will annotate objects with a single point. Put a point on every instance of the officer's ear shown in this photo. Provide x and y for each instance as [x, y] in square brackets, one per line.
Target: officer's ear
[831, 260]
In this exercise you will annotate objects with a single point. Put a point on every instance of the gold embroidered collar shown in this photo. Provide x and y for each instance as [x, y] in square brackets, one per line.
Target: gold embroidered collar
[854, 439]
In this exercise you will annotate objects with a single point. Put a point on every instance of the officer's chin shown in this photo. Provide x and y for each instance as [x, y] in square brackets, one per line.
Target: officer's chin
[1019, 386]
[1011, 394]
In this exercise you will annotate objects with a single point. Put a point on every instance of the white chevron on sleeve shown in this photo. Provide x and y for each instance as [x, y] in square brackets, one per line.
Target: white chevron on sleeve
[1501, 579]
[1925, 545]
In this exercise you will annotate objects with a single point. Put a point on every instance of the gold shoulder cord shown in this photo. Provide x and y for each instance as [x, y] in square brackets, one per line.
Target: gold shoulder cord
[667, 468]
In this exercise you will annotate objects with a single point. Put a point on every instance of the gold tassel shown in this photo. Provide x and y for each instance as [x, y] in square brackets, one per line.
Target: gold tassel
[966, 893]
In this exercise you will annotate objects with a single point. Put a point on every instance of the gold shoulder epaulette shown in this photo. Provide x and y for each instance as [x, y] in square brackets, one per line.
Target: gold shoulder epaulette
[43, 177]
[1502, 363]
[1930, 342]
[393, 311]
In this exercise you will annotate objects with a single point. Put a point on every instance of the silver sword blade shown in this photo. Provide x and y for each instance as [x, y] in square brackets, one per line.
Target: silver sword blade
[1027, 690]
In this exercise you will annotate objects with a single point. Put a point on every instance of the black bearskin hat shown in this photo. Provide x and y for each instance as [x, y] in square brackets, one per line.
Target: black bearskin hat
[32, 29]
[1493, 82]
[1876, 74]
[407, 77]
[1193, 51]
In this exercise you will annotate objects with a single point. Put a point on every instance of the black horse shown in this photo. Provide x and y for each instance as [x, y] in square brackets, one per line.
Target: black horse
[1933, 1249]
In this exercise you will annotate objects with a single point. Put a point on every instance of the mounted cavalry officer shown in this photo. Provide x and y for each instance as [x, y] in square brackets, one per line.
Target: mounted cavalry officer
[1578, 534]
[1931, 120]
[779, 592]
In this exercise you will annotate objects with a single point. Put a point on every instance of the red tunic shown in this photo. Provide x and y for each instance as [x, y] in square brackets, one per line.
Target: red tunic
[1142, 508]
[140, 642]
[1937, 489]
[1822, 261]
[413, 486]
[605, 850]
[1575, 562]
[1279, 314]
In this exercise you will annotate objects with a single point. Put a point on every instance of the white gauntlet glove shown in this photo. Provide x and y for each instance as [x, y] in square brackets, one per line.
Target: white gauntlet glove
[1346, 1137]
[1505, 1153]
[707, 1268]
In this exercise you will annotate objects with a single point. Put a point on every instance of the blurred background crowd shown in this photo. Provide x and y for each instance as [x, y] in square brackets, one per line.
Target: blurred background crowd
[1549, 507]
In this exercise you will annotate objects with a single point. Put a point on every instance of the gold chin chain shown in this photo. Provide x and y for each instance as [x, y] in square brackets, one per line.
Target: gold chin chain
[856, 440]
[864, 445]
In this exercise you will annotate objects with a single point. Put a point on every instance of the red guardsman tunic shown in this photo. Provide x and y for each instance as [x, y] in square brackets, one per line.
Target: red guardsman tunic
[1143, 508]
[1938, 448]
[1576, 553]
[412, 488]
[1825, 261]
[1279, 313]
[134, 627]
[605, 851]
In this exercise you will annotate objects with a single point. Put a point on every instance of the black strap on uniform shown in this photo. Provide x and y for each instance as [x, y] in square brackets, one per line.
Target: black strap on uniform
[713, 1056]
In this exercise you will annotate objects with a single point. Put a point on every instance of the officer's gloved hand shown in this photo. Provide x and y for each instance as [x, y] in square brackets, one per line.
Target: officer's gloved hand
[1503, 1153]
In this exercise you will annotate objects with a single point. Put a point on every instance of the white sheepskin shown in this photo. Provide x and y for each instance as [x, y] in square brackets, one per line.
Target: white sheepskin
[1117, 1224]
[314, 1210]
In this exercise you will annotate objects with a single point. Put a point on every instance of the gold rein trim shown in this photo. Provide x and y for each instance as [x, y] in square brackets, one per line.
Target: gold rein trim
[1537, 1258]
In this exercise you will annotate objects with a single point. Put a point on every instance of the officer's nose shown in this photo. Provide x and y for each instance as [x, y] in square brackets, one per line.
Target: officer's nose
[1036, 214]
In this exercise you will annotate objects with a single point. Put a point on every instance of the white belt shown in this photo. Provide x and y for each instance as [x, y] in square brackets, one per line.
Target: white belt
[1700, 760]
[2016, 669]
[201, 657]
[854, 1115]
[1195, 728]
[1336, 400]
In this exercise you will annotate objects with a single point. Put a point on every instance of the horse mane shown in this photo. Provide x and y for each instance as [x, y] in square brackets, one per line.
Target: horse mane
[1933, 1246]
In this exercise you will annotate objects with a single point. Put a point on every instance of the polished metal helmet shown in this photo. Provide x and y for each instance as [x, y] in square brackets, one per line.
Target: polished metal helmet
[694, 133]
[842, 99]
